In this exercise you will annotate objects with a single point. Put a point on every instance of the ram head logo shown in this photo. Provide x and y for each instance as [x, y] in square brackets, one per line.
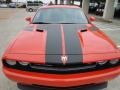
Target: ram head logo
[64, 59]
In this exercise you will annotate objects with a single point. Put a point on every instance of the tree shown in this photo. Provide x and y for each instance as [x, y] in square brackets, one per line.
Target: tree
[61, 1]
[97, 0]
[8, 1]
[56, 2]
[72, 2]
[80, 3]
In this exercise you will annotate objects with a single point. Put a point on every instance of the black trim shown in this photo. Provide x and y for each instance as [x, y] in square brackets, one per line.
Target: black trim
[92, 86]
[61, 69]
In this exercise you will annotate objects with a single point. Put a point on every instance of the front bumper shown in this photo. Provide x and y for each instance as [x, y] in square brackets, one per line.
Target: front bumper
[65, 80]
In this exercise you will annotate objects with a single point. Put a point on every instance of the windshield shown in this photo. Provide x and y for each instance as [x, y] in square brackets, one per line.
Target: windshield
[60, 15]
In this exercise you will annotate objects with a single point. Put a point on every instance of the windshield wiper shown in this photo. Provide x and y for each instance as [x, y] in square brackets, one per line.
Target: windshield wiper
[69, 23]
[40, 23]
[52, 23]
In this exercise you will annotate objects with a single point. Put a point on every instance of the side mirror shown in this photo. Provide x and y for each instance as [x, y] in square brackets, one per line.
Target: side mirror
[29, 19]
[92, 18]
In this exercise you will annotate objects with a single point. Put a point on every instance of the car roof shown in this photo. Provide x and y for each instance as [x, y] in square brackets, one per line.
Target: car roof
[59, 6]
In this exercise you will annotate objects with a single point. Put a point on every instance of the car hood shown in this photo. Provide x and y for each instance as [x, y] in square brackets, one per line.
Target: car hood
[58, 41]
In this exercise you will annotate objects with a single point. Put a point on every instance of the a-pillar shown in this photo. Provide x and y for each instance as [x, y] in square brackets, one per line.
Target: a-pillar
[109, 10]
[85, 6]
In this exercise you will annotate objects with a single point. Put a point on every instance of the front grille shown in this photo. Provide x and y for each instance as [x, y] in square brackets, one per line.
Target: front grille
[61, 69]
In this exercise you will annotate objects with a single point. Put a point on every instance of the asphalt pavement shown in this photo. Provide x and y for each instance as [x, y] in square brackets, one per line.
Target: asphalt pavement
[11, 26]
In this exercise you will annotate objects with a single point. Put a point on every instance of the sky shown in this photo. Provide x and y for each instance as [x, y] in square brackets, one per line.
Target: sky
[45, 1]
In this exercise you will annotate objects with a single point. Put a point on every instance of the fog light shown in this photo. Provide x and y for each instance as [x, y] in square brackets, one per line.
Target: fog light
[114, 61]
[11, 62]
[24, 63]
[102, 62]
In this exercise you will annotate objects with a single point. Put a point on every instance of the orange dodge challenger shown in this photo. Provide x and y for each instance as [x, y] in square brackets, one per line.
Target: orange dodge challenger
[61, 48]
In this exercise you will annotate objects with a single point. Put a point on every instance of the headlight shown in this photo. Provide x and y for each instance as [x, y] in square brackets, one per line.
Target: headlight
[114, 61]
[11, 62]
[24, 63]
[102, 62]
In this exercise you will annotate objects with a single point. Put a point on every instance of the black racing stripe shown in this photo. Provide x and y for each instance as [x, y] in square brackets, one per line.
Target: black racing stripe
[53, 43]
[72, 42]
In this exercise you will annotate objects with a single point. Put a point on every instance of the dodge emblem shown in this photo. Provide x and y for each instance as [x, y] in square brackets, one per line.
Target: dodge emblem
[64, 59]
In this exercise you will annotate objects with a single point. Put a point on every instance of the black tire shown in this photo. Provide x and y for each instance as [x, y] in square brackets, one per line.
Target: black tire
[30, 10]
[101, 85]
[23, 86]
